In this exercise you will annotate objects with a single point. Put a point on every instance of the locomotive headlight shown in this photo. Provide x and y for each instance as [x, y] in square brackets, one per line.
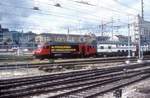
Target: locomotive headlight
[40, 50]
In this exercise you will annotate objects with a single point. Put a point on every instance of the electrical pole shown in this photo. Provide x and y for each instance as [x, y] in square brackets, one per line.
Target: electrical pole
[140, 23]
[129, 45]
[129, 40]
[112, 28]
[139, 41]
[142, 9]
[68, 31]
[102, 28]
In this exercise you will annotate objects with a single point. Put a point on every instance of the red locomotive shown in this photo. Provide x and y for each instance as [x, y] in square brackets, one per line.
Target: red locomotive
[64, 50]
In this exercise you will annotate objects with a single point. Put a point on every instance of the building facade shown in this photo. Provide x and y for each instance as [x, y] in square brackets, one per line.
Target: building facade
[140, 27]
[46, 37]
[16, 37]
[27, 40]
[145, 36]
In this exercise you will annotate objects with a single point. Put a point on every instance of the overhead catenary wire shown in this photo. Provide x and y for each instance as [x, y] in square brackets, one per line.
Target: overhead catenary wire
[8, 13]
[60, 16]
[125, 5]
[118, 10]
[91, 15]
[75, 2]
[94, 17]
[109, 9]
[30, 27]
[43, 27]
[27, 9]
[67, 16]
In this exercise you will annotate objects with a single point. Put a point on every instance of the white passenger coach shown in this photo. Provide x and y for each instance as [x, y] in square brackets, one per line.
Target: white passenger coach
[117, 49]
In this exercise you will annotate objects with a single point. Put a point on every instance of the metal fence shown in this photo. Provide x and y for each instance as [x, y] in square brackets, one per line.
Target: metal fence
[16, 50]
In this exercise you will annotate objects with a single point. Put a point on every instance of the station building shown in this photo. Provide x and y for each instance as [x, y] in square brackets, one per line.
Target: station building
[142, 26]
[46, 37]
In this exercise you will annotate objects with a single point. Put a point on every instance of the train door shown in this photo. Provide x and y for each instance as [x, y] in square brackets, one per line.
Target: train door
[47, 51]
[87, 50]
[82, 50]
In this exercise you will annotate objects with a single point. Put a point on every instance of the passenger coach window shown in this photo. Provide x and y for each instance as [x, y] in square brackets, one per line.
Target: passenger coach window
[109, 47]
[102, 47]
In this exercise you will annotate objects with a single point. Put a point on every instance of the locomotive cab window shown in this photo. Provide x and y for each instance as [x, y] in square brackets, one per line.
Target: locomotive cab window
[46, 47]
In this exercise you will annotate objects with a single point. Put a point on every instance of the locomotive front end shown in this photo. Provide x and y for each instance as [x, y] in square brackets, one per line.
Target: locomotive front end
[42, 52]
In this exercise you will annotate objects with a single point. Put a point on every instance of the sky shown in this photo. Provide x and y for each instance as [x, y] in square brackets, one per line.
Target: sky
[79, 16]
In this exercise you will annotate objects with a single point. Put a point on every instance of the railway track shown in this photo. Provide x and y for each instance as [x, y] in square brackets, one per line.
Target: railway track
[66, 63]
[80, 84]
